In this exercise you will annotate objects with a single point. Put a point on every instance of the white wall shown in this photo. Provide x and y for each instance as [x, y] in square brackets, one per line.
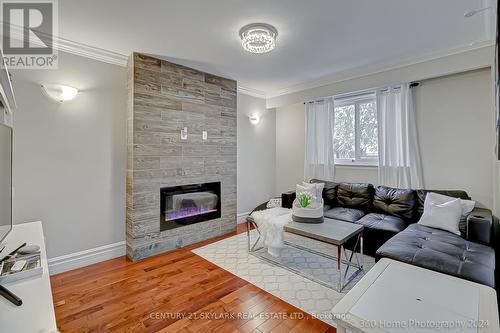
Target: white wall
[456, 129]
[256, 153]
[455, 122]
[69, 159]
[361, 174]
[290, 143]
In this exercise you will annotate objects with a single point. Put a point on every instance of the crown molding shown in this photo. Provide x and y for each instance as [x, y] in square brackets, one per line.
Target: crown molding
[91, 52]
[360, 72]
[69, 46]
[252, 92]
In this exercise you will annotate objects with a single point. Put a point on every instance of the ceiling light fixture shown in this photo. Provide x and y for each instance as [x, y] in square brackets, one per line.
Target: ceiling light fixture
[258, 37]
[60, 92]
[475, 11]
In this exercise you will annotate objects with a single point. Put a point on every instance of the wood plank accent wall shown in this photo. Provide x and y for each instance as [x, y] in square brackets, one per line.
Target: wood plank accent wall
[163, 98]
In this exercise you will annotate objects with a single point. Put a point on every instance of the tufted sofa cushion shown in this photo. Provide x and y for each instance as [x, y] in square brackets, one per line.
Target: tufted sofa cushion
[355, 195]
[391, 224]
[378, 229]
[395, 201]
[344, 214]
[442, 251]
[329, 191]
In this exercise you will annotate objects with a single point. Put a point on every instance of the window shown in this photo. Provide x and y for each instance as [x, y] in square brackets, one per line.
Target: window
[355, 132]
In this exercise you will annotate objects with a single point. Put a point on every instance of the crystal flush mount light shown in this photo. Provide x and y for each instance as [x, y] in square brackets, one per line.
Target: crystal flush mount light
[258, 37]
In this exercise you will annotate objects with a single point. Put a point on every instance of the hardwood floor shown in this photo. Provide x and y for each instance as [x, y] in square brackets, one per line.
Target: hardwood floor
[173, 292]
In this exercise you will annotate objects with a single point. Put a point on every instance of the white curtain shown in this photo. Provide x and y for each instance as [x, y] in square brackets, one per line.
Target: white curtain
[319, 156]
[398, 149]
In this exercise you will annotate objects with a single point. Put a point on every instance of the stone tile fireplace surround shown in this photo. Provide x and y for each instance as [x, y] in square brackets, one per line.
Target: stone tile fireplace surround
[164, 98]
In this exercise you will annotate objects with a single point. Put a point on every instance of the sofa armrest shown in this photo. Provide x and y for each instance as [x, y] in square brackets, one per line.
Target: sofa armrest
[480, 226]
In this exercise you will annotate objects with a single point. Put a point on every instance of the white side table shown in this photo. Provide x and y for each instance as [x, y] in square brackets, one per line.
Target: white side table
[397, 297]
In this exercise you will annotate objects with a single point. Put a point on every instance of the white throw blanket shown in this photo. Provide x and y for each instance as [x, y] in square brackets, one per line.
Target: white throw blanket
[271, 223]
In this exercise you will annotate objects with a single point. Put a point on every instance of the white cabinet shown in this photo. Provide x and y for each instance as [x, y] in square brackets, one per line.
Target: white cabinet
[37, 312]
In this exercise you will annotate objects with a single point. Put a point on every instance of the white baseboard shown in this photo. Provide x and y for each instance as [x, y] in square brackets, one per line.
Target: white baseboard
[85, 258]
[92, 256]
[241, 218]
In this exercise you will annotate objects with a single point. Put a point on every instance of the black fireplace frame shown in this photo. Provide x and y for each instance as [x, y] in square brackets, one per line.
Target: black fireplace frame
[214, 187]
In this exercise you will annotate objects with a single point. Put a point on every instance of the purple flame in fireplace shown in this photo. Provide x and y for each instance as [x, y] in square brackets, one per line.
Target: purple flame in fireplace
[187, 212]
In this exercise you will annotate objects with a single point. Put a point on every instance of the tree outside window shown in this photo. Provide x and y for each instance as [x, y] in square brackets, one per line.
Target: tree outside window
[355, 132]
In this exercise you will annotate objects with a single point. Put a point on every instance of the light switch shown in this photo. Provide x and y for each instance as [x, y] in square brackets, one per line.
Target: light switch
[184, 133]
[204, 135]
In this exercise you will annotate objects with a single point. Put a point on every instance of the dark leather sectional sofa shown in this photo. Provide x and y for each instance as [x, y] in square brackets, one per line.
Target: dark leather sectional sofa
[389, 216]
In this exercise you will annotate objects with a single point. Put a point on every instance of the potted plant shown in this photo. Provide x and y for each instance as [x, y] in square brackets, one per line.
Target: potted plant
[307, 208]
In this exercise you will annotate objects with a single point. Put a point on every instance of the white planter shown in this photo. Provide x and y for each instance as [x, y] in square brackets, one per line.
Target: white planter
[311, 214]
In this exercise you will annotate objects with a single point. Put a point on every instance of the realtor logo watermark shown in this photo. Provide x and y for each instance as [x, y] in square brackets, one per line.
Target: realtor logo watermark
[28, 30]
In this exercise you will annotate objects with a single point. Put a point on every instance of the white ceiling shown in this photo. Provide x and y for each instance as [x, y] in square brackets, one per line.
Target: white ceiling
[316, 38]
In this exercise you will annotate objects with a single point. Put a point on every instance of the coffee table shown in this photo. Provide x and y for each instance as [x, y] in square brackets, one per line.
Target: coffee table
[331, 231]
[395, 297]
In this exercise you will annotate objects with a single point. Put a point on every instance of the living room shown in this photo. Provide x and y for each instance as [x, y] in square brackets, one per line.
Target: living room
[151, 144]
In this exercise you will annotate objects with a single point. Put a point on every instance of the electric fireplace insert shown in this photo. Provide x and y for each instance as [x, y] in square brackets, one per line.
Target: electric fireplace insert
[188, 204]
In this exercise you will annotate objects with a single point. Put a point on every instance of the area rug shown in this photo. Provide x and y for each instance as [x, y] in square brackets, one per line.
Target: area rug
[314, 298]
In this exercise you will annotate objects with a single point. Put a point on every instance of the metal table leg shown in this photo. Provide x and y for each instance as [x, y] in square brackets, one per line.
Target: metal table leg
[345, 280]
[253, 247]
[361, 251]
[339, 271]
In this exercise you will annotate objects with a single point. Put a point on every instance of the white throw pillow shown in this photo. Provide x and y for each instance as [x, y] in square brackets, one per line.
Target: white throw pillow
[300, 188]
[467, 205]
[316, 189]
[445, 216]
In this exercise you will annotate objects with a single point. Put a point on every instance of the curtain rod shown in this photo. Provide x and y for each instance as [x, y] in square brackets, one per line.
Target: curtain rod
[362, 92]
[315, 101]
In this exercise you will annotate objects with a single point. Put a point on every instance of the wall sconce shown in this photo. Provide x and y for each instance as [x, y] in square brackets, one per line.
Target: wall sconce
[59, 92]
[254, 119]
